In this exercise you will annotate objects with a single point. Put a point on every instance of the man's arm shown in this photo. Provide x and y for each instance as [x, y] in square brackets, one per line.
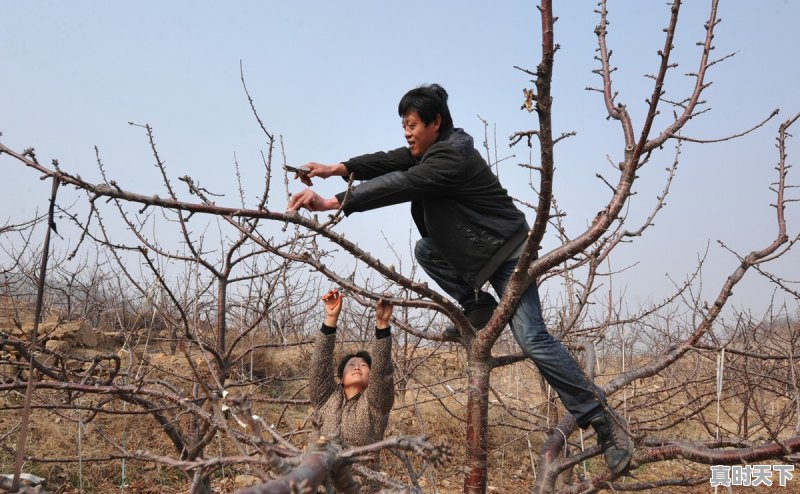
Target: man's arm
[443, 172]
[364, 167]
[369, 166]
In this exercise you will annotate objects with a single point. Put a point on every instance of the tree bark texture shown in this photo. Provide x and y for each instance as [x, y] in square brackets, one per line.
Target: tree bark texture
[476, 478]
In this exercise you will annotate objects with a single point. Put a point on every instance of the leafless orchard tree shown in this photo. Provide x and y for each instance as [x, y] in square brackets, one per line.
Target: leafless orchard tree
[690, 391]
[228, 305]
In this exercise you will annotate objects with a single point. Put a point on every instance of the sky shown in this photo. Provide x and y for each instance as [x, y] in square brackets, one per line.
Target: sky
[326, 77]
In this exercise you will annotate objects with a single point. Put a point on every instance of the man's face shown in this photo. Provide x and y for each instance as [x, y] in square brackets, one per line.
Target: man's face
[419, 136]
[356, 373]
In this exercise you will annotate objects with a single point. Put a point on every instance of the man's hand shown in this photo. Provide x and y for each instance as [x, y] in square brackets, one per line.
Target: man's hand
[321, 171]
[333, 306]
[312, 201]
[383, 313]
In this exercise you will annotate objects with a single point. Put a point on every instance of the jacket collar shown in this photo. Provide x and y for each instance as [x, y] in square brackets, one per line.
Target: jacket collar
[445, 135]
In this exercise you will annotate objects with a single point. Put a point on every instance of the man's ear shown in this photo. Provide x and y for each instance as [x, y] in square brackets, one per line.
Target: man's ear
[437, 122]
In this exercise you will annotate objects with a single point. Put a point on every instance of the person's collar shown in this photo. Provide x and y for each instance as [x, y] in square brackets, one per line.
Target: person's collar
[445, 134]
[354, 397]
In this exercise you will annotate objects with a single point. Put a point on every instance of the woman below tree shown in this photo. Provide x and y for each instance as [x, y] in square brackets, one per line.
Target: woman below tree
[357, 409]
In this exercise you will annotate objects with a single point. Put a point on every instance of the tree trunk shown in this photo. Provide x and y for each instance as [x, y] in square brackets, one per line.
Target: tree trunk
[477, 464]
[222, 306]
[201, 484]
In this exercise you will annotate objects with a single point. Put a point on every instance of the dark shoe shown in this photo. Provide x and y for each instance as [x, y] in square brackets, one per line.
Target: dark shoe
[477, 315]
[616, 443]
[451, 333]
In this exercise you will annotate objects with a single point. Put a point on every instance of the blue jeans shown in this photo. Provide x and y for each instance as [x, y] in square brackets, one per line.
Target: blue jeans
[555, 363]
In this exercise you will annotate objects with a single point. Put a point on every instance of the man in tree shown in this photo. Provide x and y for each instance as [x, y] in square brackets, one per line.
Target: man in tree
[471, 233]
[357, 409]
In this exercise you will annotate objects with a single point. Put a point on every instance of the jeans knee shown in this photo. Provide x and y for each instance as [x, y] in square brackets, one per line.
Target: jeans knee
[422, 250]
[533, 338]
[419, 249]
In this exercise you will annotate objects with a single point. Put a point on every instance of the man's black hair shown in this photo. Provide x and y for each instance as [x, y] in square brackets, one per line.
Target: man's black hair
[427, 100]
[362, 354]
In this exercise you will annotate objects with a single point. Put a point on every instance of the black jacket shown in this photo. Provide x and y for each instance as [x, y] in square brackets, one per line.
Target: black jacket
[456, 200]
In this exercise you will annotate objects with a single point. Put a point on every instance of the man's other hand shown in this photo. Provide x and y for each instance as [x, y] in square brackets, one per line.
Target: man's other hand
[311, 201]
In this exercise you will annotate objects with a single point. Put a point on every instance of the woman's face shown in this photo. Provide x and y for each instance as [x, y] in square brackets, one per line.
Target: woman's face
[356, 373]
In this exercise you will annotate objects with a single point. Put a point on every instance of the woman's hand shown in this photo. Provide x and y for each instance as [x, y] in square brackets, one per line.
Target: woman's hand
[333, 307]
[383, 313]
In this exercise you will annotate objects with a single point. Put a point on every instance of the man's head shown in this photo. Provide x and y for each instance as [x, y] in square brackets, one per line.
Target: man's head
[354, 369]
[425, 116]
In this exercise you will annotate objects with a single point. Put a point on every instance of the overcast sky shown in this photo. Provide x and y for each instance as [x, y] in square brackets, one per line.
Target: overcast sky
[327, 76]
